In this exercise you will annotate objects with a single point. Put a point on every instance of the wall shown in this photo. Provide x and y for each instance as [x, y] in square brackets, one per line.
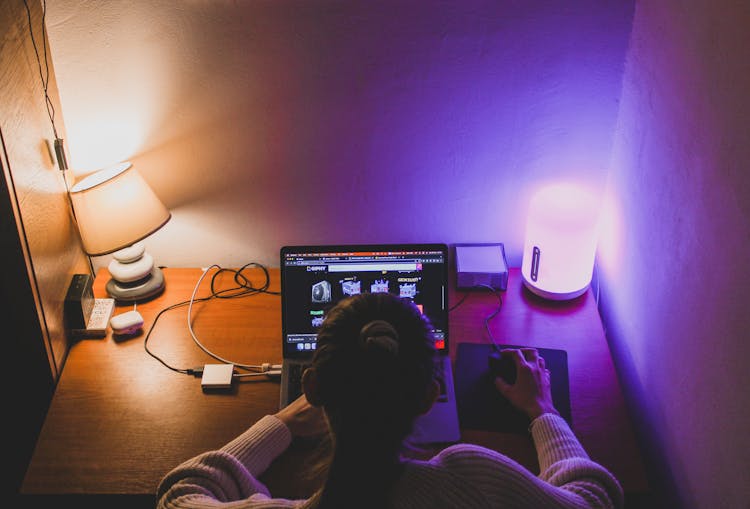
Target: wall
[674, 263]
[263, 123]
[38, 245]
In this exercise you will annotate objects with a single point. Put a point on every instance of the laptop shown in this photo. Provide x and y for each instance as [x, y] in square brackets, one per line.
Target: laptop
[314, 278]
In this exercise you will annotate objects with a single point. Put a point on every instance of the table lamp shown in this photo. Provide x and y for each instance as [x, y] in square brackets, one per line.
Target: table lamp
[115, 210]
[560, 244]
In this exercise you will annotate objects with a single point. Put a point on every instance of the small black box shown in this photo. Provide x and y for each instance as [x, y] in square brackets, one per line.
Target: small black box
[79, 302]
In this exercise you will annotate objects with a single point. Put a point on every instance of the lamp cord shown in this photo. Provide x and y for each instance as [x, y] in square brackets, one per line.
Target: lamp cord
[244, 288]
[492, 315]
[45, 79]
[488, 317]
[44, 76]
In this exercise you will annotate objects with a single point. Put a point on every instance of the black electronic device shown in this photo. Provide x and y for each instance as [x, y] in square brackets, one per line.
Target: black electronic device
[315, 278]
[502, 365]
[79, 301]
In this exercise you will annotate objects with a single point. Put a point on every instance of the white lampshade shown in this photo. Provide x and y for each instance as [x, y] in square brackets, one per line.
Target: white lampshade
[115, 208]
[560, 245]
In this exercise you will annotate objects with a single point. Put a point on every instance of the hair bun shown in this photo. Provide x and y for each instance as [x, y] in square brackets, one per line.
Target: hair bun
[379, 335]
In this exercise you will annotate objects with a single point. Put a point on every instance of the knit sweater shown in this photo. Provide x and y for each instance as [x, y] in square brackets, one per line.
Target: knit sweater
[460, 476]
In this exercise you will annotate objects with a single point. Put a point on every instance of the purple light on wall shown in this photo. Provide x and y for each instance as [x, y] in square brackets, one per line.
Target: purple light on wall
[674, 274]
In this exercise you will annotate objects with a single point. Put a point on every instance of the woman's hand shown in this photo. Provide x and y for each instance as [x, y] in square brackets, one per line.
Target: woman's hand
[531, 393]
[303, 419]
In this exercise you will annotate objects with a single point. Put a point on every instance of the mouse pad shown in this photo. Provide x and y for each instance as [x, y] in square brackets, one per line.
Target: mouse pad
[482, 407]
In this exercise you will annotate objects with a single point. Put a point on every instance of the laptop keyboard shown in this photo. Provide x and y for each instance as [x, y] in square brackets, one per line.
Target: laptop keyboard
[295, 380]
[440, 377]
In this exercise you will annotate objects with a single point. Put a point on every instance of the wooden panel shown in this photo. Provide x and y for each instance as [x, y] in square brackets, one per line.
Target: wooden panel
[35, 185]
[39, 248]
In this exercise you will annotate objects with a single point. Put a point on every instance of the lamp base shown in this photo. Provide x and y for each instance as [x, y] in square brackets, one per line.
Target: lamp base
[554, 295]
[142, 289]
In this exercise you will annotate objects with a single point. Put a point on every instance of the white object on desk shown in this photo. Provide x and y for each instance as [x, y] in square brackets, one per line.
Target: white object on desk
[217, 376]
[100, 315]
[96, 327]
[126, 323]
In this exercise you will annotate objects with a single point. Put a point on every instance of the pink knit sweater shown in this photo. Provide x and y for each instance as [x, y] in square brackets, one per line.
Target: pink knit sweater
[460, 476]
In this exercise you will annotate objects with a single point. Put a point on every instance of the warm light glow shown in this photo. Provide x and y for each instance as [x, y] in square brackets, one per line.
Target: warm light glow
[115, 80]
[96, 140]
[560, 245]
[115, 208]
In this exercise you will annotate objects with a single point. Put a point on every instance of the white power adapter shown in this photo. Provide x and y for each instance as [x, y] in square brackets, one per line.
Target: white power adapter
[217, 376]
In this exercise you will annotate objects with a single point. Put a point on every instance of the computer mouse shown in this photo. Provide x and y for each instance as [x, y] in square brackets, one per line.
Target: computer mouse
[503, 366]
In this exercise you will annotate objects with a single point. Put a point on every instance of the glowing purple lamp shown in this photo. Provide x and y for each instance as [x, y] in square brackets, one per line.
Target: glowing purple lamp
[560, 245]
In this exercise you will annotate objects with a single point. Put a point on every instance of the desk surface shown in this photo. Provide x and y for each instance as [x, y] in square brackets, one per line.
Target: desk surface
[119, 420]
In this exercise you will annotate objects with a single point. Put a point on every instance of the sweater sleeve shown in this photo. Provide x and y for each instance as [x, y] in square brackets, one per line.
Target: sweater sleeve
[564, 463]
[568, 478]
[229, 473]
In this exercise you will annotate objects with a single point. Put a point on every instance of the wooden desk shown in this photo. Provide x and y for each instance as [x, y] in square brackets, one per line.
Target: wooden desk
[119, 420]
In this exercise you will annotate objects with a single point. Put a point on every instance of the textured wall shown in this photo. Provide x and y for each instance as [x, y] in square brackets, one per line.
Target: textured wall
[674, 263]
[262, 123]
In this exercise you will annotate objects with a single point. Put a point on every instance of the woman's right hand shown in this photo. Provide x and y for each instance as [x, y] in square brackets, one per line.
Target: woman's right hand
[303, 419]
[531, 392]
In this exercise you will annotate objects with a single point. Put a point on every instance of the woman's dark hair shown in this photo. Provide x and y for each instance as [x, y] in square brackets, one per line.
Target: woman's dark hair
[374, 367]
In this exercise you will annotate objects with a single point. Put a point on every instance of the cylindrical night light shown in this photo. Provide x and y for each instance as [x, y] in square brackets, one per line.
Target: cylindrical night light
[560, 245]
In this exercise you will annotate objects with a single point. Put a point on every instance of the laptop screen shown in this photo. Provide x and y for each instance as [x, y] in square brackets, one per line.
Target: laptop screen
[315, 278]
